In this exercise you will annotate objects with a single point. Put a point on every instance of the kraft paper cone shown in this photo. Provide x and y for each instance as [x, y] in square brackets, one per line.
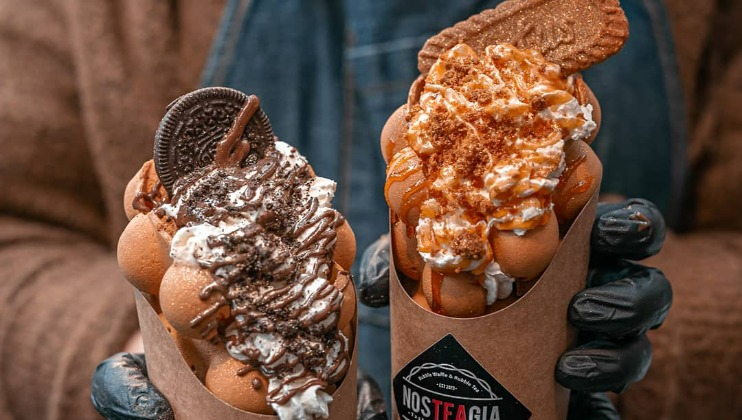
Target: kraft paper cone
[191, 400]
[518, 346]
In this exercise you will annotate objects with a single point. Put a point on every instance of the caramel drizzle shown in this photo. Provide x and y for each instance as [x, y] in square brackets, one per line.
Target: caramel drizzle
[390, 145]
[254, 310]
[519, 71]
[413, 196]
[581, 186]
[436, 282]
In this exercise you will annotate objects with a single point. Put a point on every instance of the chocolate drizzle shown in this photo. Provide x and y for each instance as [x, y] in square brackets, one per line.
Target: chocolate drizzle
[270, 256]
[145, 201]
[224, 156]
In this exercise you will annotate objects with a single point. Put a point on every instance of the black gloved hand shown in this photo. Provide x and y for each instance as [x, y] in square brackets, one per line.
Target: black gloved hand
[623, 300]
[122, 391]
[370, 404]
[373, 281]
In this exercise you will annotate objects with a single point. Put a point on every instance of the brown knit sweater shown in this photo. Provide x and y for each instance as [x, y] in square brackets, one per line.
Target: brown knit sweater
[82, 87]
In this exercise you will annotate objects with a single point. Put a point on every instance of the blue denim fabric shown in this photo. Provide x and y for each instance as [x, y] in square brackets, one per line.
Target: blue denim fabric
[642, 141]
[330, 72]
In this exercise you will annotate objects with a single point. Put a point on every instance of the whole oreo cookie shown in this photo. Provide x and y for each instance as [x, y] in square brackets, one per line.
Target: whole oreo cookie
[195, 123]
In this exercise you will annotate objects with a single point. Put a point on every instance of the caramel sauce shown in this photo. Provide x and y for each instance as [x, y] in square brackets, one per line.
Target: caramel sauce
[390, 145]
[402, 168]
[436, 282]
[409, 231]
[412, 198]
[581, 186]
[393, 218]
[571, 165]
[570, 124]
[477, 115]
[561, 199]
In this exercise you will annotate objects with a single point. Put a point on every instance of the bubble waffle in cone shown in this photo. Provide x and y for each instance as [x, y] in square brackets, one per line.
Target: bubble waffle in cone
[492, 186]
[231, 245]
[494, 158]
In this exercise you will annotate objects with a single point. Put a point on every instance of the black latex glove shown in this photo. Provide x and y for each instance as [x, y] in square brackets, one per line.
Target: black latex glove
[370, 404]
[122, 391]
[623, 300]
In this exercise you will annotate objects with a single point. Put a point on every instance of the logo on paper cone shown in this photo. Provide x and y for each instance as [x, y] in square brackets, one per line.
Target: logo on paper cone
[446, 383]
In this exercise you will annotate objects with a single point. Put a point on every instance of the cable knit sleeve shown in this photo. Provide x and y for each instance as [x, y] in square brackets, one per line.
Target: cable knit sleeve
[697, 361]
[63, 304]
[64, 309]
[82, 87]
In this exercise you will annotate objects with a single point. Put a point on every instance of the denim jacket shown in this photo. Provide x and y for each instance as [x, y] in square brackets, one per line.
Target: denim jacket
[330, 72]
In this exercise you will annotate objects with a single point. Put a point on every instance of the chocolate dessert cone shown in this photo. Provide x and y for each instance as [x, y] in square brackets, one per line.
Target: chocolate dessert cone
[190, 399]
[497, 366]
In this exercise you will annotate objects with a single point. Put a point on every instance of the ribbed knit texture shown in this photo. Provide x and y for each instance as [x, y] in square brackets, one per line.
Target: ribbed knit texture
[697, 367]
[707, 41]
[86, 314]
[83, 85]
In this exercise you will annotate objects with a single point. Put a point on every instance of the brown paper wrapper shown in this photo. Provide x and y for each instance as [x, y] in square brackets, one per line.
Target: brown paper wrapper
[518, 345]
[191, 400]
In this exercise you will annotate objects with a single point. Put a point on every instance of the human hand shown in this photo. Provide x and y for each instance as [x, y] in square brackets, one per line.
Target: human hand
[121, 390]
[623, 300]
